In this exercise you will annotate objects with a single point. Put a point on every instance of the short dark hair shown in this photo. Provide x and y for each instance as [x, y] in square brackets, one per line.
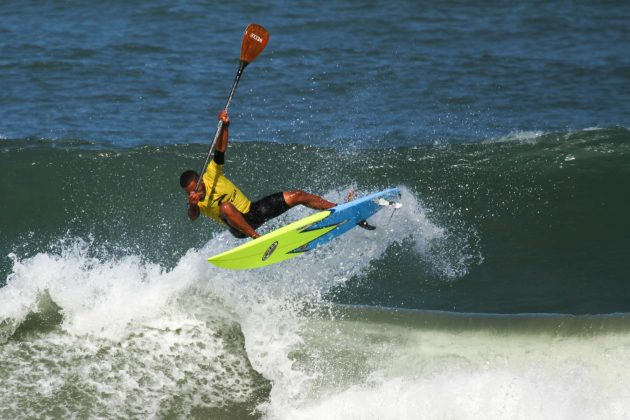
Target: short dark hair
[187, 176]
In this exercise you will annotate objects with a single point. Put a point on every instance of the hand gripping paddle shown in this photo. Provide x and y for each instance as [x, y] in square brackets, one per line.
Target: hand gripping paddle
[255, 40]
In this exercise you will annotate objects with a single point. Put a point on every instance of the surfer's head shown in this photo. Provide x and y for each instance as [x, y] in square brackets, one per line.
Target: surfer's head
[188, 178]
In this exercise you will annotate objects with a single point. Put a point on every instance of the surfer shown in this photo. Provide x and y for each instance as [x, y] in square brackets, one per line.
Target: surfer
[219, 199]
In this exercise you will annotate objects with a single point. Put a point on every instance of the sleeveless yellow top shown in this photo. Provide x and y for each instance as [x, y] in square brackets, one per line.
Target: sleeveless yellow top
[219, 189]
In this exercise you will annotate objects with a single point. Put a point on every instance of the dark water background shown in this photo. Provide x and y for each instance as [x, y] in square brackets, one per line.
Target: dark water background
[505, 125]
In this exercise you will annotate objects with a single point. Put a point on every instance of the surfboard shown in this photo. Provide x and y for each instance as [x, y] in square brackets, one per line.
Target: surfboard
[305, 234]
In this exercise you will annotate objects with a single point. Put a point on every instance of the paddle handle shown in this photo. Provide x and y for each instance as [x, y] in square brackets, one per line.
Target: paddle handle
[241, 67]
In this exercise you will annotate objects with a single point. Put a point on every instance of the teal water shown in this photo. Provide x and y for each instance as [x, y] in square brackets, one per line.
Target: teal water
[534, 223]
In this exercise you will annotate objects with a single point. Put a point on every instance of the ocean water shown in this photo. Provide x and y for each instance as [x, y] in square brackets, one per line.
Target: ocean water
[499, 290]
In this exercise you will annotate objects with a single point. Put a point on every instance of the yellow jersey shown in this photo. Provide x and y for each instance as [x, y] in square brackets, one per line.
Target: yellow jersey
[219, 189]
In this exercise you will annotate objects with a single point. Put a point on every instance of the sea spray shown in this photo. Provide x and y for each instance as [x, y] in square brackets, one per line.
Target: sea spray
[134, 340]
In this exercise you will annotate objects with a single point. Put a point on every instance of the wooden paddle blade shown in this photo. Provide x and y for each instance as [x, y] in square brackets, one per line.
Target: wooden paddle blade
[255, 40]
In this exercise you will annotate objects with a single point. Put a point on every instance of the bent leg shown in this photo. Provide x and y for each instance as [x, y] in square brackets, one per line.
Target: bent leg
[236, 220]
[295, 197]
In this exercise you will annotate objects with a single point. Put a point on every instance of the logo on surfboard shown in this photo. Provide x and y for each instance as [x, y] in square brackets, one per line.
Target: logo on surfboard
[270, 250]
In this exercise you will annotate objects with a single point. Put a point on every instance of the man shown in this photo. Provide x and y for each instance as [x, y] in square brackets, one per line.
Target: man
[219, 199]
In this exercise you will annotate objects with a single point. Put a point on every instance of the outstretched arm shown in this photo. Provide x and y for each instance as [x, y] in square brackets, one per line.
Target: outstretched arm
[222, 142]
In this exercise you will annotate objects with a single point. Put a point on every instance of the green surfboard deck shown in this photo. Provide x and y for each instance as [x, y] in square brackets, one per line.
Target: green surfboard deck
[277, 245]
[304, 235]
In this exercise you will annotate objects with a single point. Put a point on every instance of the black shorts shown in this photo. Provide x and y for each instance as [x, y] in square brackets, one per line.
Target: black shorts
[260, 212]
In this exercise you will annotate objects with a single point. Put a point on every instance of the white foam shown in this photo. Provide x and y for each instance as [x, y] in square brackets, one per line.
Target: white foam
[134, 334]
[388, 371]
[531, 136]
[135, 338]
[97, 297]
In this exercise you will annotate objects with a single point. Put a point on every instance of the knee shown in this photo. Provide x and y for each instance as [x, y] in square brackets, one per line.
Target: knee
[295, 197]
[227, 209]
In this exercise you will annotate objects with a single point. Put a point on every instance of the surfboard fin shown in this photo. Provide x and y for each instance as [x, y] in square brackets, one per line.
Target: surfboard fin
[381, 202]
[365, 225]
[386, 203]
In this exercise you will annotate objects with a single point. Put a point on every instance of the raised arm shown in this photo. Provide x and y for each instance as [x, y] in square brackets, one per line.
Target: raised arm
[222, 142]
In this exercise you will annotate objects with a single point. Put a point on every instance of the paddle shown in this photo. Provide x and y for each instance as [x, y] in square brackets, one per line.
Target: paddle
[254, 42]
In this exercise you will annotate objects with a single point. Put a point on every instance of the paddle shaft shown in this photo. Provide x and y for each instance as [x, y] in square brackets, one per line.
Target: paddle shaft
[254, 42]
[241, 67]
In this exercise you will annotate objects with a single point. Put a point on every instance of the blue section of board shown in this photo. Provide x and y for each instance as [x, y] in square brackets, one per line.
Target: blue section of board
[346, 216]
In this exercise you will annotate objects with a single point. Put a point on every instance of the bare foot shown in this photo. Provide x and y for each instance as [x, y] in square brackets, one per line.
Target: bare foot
[351, 195]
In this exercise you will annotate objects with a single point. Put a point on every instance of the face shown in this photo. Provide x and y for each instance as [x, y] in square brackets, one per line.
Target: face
[191, 188]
